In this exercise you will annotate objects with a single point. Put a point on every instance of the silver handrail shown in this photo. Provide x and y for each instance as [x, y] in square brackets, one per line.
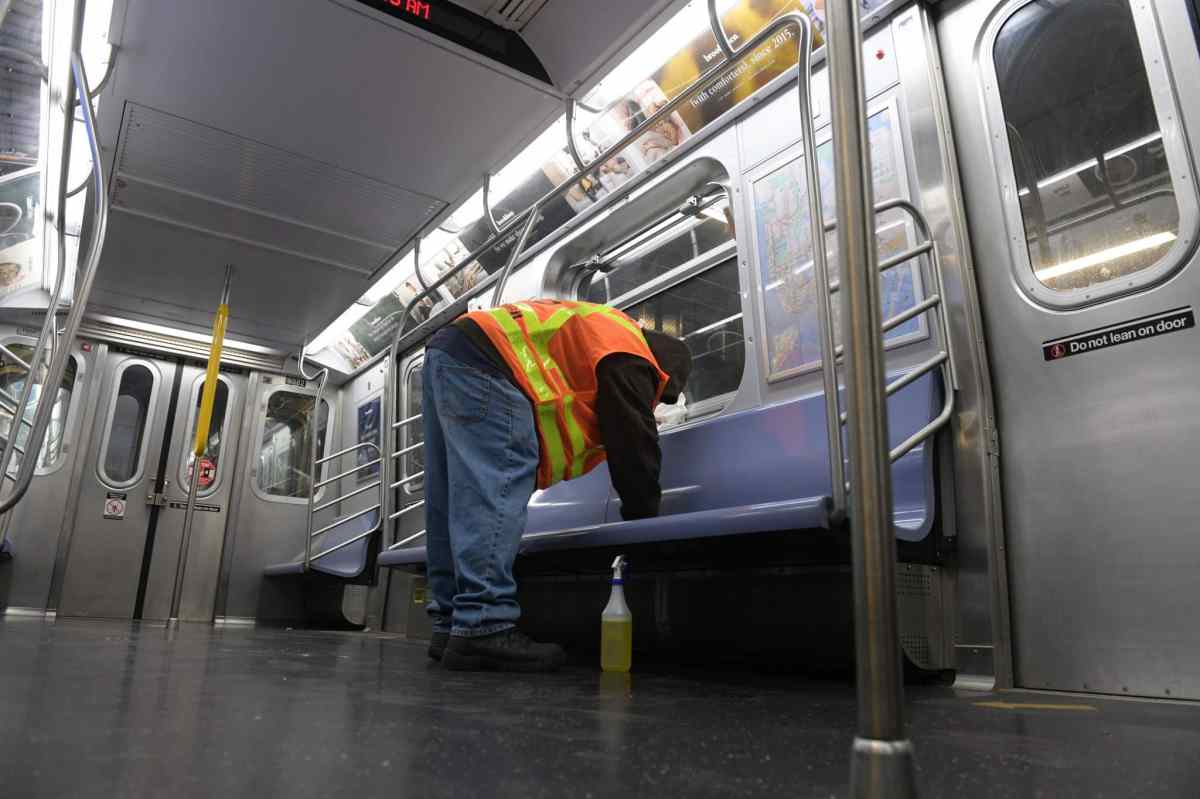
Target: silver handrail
[321, 375]
[77, 82]
[377, 508]
[792, 20]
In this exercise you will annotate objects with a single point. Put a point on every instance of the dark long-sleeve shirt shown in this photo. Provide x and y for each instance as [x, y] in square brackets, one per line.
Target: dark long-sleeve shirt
[626, 386]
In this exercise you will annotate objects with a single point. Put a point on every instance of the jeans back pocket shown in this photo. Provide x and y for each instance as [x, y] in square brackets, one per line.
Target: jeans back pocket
[467, 392]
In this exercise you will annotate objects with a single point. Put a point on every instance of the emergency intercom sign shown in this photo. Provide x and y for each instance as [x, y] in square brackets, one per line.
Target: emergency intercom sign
[114, 504]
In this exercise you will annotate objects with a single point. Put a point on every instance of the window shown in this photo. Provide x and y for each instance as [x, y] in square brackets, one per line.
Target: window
[658, 252]
[785, 251]
[285, 451]
[1092, 173]
[12, 383]
[124, 444]
[680, 277]
[414, 432]
[216, 434]
[706, 312]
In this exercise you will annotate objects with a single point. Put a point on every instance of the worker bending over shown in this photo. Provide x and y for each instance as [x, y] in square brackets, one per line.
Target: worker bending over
[516, 398]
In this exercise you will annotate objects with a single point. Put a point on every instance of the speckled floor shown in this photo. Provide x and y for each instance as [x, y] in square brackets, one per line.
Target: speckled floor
[114, 710]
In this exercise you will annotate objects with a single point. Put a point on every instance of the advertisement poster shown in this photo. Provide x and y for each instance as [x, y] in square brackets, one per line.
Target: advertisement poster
[784, 240]
[368, 433]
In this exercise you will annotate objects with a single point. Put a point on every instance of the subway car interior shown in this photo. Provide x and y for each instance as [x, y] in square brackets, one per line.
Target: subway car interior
[926, 522]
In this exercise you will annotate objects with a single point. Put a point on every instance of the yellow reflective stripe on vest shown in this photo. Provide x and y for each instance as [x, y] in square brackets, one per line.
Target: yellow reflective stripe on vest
[539, 335]
[532, 351]
[545, 407]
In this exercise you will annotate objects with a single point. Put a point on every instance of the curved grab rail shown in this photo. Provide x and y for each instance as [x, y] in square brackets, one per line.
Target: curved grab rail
[49, 332]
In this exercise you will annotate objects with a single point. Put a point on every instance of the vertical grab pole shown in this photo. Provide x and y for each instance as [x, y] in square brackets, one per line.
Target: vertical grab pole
[200, 445]
[816, 215]
[882, 763]
[516, 255]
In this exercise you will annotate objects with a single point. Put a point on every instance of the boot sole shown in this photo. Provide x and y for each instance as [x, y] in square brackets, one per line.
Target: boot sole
[456, 662]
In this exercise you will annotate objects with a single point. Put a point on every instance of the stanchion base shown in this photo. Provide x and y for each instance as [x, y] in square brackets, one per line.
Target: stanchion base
[882, 770]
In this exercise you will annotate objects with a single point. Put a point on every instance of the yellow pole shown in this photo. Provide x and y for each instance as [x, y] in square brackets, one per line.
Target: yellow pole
[204, 418]
[203, 423]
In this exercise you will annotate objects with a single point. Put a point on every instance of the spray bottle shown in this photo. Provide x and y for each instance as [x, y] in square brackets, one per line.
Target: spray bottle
[616, 625]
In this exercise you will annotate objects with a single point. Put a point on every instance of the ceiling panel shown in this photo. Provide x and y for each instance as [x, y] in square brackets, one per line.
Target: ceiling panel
[302, 141]
[576, 38]
[161, 273]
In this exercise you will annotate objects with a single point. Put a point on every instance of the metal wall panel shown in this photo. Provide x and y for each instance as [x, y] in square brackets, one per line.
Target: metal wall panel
[1097, 452]
[38, 525]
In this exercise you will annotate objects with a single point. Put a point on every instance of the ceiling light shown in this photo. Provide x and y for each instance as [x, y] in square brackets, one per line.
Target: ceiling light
[1104, 256]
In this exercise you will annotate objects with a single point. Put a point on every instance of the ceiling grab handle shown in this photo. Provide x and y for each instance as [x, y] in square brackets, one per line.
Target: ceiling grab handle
[718, 31]
[572, 146]
[58, 363]
[487, 204]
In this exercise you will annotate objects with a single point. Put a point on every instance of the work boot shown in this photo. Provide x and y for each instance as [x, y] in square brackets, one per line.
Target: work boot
[507, 650]
[437, 645]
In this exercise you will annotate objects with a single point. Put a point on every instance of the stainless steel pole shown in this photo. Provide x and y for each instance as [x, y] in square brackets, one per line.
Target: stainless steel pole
[882, 763]
[189, 515]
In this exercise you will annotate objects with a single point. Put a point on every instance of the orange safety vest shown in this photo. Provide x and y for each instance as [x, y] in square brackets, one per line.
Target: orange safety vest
[553, 348]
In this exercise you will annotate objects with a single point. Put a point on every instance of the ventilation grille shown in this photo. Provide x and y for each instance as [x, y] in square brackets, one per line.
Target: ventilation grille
[176, 170]
[915, 584]
[917, 648]
[511, 14]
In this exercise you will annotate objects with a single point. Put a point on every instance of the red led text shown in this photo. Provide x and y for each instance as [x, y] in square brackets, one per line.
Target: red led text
[414, 7]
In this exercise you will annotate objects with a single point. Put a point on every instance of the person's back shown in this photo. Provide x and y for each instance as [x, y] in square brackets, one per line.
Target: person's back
[518, 397]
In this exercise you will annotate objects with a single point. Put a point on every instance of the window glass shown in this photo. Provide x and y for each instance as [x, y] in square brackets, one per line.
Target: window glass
[12, 383]
[635, 263]
[785, 251]
[216, 433]
[21, 209]
[1094, 186]
[285, 452]
[414, 432]
[706, 312]
[123, 454]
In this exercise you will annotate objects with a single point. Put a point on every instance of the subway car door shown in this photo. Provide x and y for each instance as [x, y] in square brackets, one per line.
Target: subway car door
[1071, 120]
[128, 523]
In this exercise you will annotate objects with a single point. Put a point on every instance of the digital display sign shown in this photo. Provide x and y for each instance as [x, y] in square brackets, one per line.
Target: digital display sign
[416, 8]
[467, 29]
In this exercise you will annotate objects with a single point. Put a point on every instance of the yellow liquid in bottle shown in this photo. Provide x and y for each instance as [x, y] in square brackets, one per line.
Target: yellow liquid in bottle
[616, 644]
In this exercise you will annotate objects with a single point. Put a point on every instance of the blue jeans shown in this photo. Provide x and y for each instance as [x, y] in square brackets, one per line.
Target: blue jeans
[481, 459]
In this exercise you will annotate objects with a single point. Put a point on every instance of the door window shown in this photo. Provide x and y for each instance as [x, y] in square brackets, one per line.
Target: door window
[125, 441]
[210, 469]
[12, 383]
[285, 450]
[1099, 207]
